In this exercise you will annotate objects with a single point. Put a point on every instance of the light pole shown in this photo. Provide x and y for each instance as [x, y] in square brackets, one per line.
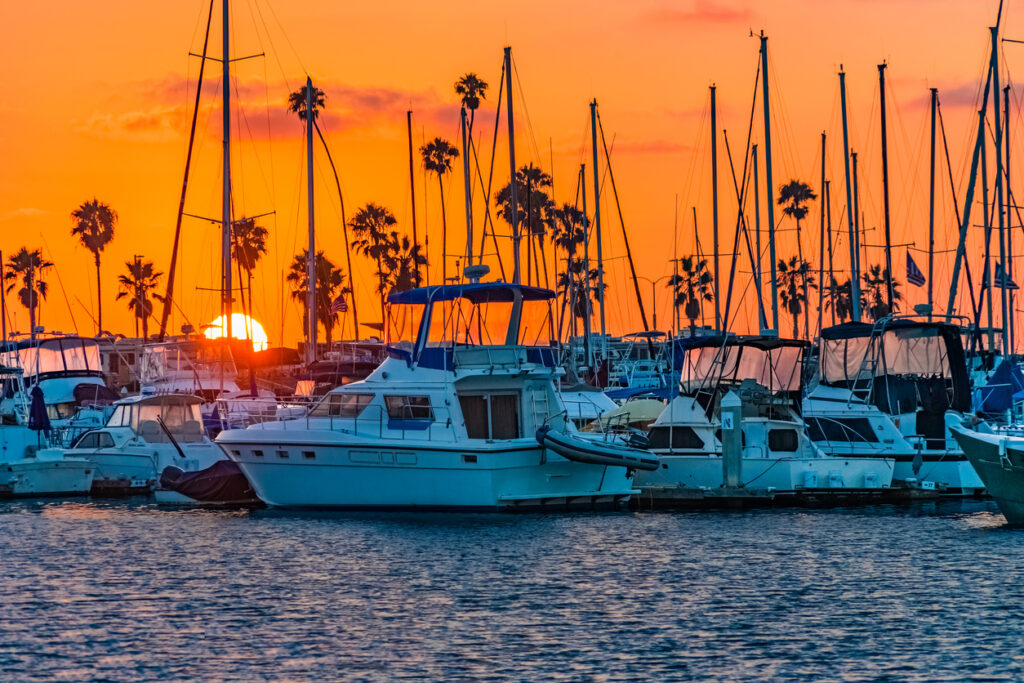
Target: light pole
[654, 298]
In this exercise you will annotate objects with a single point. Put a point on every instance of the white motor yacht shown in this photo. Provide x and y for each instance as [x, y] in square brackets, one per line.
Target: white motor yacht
[466, 417]
[894, 389]
[776, 456]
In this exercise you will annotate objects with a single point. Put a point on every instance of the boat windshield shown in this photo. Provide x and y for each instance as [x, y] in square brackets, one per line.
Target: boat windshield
[920, 351]
[180, 417]
[462, 322]
[61, 355]
[775, 368]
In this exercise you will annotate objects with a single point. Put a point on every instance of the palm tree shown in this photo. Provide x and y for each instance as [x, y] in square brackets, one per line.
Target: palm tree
[692, 285]
[532, 207]
[794, 280]
[874, 296]
[248, 245]
[136, 286]
[374, 239]
[472, 89]
[94, 223]
[330, 283]
[407, 259]
[795, 195]
[840, 298]
[297, 102]
[29, 267]
[437, 157]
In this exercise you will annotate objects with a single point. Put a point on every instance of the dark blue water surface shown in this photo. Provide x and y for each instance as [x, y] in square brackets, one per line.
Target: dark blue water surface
[129, 591]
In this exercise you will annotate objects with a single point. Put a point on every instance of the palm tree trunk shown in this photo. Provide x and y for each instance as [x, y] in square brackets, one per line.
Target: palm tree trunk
[99, 297]
[444, 233]
[796, 325]
[380, 278]
[32, 304]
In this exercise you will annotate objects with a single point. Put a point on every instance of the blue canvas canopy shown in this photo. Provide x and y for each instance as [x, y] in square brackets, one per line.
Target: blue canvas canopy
[475, 292]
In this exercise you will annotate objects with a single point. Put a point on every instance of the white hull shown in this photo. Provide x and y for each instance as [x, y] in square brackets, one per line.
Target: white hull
[395, 475]
[782, 474]
[47, 474]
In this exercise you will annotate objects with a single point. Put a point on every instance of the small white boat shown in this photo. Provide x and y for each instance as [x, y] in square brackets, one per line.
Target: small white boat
[144, 436]
[28, 466]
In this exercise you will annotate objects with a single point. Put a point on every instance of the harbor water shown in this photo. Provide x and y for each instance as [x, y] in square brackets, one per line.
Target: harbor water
[128, 591]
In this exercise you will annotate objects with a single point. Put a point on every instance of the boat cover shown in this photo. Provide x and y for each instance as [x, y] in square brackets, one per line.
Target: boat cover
[221, 482]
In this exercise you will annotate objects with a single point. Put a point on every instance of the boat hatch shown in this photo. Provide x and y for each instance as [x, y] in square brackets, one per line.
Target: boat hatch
[491, 416]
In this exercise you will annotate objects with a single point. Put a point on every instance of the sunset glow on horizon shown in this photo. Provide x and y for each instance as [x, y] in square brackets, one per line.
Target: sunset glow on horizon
[98, 101]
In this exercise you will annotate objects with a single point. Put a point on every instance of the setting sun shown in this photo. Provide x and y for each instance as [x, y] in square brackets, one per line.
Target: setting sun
[242, 327]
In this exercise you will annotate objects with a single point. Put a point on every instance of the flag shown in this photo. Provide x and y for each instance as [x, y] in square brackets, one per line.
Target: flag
[339, 305]
[1002, 280]
[914, 274]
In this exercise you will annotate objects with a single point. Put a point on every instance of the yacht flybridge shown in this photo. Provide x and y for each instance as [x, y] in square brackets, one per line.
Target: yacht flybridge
[467, 416]
[894, 389]
[746, 389]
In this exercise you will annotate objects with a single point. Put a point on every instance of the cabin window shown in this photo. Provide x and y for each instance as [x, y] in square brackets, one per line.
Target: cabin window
[409, 407]
[342, 405]
[104, 440]
[491, 416]
[87, 440]
[258, 453]
[853, 429]
[674, 437]
[783, 440]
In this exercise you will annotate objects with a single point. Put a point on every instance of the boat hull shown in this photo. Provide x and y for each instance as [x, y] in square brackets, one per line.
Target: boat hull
[781, 474]
[1001, 469]
[420, 476]
[46, 474]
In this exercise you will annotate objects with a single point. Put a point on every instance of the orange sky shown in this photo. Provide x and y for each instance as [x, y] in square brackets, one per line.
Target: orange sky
[97, 96]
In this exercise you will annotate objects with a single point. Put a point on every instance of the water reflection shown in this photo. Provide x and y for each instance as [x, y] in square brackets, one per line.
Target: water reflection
[128, 590]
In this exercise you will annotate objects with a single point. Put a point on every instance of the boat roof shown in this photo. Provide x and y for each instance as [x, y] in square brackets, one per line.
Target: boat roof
[763, 342]
[12, 345]
[854, 330]
[158, 399]
[475, 292]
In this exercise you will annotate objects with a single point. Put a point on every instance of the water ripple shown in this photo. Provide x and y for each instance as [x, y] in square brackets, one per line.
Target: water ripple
[128, 591]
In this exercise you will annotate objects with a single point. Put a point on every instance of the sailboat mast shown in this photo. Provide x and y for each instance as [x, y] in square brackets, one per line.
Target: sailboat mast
[225, 246]
[758, 279]
[311, 237]
[597, 227]
[885, 186]
[770, 204]
[468, 198]
[828, 235]
[858, 228]
[586, 272]
[821, 244]
[714, 206]
[1009, 229]
[513, 190]
[412, 191]
[1000, 213]
[931, 205]
[850, 210]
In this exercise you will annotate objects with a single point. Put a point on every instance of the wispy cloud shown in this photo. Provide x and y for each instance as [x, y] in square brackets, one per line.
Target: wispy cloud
[953, 96]
[699, 12]
[26, 212]
[262, 110]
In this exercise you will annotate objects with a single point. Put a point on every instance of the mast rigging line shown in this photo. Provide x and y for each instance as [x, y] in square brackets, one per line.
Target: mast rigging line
[625, 237]
[169, 295]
